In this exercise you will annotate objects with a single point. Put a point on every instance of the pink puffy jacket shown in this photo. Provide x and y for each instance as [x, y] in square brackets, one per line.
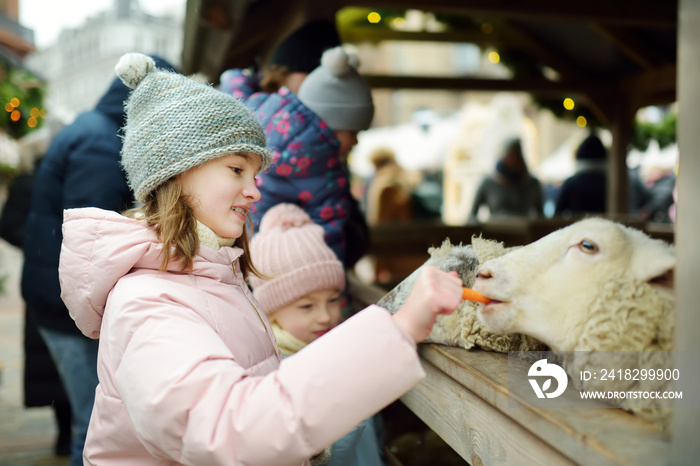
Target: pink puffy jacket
[189, 370]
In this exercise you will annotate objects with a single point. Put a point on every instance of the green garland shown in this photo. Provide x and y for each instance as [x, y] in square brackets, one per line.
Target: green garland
[19, 84]
[663, 132]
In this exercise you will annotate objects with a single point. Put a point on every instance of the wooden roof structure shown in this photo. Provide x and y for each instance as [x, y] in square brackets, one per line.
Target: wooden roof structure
[618, 55]
[614, 55]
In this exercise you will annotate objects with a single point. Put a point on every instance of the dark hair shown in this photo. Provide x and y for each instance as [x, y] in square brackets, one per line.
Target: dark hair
[591, 148]
[301, 51]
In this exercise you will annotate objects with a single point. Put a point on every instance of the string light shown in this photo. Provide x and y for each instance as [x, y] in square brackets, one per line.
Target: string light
[569, 103]
[581, 121]
[374, 17]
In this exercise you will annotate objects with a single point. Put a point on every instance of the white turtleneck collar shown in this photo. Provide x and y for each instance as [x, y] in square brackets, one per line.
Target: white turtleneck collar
[207, 237]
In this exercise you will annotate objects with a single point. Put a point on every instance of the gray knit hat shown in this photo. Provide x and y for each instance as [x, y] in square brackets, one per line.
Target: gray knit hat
[174, 123]
[337, 93]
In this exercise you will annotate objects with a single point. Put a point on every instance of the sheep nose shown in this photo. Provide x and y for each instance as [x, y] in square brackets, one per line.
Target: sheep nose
[483, 273]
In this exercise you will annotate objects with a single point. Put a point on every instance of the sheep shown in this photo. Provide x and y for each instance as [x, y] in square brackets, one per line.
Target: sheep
[461, 328]
[593, 287]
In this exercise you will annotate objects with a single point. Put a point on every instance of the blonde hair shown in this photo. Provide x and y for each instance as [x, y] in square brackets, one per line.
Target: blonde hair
[170, 212]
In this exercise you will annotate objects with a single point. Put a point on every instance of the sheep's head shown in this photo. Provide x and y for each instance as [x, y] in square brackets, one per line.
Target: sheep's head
[550, 288]
[461, 328]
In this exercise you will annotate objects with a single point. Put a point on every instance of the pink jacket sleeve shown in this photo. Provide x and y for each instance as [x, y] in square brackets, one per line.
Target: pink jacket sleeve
[190, 401]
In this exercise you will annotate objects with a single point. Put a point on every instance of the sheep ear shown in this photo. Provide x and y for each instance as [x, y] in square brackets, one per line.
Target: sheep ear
[655, 264]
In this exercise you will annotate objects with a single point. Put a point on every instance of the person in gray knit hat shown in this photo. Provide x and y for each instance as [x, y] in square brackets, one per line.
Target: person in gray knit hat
[337, 93]
[311, 134]
[174, 123]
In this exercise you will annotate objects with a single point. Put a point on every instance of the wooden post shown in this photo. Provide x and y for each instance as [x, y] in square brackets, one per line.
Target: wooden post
[686, 426]
[618, 191]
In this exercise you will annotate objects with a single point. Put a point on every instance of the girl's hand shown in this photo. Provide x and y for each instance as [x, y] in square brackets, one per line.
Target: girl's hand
[435, 292]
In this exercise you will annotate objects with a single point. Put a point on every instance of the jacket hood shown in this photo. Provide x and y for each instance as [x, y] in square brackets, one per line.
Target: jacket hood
[111, 103]
[100, 247]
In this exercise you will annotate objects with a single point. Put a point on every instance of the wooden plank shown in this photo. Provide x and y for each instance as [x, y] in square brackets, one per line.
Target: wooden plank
[686, 426]
[477, 431]
[392, 240]
[589, 436]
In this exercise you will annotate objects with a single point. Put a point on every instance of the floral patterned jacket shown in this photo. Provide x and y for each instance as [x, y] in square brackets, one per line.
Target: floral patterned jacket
[306, 169]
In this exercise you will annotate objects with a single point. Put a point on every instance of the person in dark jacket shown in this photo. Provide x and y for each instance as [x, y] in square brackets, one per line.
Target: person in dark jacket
[586, 190]
[42, 384]
[81, 169]
[511, 191]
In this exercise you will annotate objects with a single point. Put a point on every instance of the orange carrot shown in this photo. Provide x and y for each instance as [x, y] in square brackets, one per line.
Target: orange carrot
[471, 295]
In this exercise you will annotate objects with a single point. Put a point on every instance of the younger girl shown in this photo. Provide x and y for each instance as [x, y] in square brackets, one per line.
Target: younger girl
[301, 297]
[188, 366]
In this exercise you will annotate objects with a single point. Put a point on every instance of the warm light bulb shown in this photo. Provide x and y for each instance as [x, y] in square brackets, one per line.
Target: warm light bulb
[581, 121]
[569, 103]
[399, 23]
[494, 57]
[374, 17]
[15, 116]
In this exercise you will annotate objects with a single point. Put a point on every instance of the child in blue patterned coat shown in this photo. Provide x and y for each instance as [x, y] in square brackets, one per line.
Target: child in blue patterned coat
[311, 135]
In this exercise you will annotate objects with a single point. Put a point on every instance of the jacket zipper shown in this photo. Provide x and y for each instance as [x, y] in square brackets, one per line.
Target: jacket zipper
[262, 321]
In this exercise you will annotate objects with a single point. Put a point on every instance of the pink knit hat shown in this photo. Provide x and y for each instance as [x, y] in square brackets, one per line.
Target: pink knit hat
[290, 249]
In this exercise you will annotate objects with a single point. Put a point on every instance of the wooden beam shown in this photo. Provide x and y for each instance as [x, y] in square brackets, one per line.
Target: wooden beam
[505, 35]
[643, 53]
[651, 82]
[630, 12]
[599, 103]
[192, 37]
[523, 40]
[622, 127]
[537, 86]
[379, 34]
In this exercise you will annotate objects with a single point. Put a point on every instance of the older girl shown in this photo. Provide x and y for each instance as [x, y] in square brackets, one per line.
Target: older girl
[188, 366]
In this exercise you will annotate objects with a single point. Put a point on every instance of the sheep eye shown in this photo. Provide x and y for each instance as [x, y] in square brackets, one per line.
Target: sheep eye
[589, 247]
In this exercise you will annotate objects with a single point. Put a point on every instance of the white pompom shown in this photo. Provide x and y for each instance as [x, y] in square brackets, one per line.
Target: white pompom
[338, 62]
[133, 67]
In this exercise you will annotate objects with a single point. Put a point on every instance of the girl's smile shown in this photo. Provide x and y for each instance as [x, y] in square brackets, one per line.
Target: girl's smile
[222, 190]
